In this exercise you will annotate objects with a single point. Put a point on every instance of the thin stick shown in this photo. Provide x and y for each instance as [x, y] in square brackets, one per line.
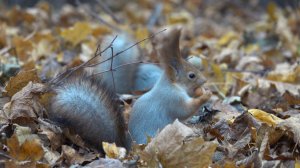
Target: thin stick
[68, 73]
[98, 17]
[111, 67]
[120, 66]
[117, 54]
[106, 9]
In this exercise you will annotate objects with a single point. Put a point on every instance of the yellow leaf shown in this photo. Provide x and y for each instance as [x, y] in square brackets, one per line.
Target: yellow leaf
[251, 48]
[24, 145]
[271, 9]
[60, 57]
[19, 81]
[227, 38]
[2, 36]
[297, 164]
[112, 151]
[23, 48]
[289, 77]
[140, 34]
[180, 18]
[77, 33]
[100, 30]
[219, 75]
[265, 117]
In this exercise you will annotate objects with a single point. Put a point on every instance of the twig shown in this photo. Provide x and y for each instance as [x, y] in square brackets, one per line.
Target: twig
[68, 73]
[98, 17]
[117, 54]
[5, 50]
[106, 9]
[111, 67]
[6, 156]
[117, 67]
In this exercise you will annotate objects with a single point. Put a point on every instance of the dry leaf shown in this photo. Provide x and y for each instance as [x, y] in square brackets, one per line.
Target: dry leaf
[77, 33]
[265, 117]
[16, 83]
[291, 126]
[25, 103]
[112, 151]
[173, 148]
[23, 48]
[73, 157]
[24, 145]
[227, 38]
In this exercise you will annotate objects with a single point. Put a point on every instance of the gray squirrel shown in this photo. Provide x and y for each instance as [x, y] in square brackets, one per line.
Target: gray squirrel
[172, 97]
[129, 76]
[90, 107]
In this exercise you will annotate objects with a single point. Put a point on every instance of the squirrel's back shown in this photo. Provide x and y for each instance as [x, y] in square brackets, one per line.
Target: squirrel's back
[122, 79]
[90, 108]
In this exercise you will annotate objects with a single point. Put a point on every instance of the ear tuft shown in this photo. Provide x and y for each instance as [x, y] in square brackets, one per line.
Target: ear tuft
[167, 47]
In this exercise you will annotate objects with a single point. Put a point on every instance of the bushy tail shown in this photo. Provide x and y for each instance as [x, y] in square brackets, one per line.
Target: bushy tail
[86, 106]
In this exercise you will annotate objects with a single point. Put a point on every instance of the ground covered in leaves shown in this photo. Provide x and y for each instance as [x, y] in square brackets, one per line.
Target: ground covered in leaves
[249, 53]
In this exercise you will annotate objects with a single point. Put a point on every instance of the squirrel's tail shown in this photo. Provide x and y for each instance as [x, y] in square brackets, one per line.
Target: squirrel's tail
[88, 107]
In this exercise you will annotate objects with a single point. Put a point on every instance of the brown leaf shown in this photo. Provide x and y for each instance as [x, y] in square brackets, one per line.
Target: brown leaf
[173, 148]
[291, 126]
[16, 83]
[112, 151]
[24, 145]
[73, 157]
[23, 48]
[227, 111]
[25, 103]
[77, 33]
[51, 156]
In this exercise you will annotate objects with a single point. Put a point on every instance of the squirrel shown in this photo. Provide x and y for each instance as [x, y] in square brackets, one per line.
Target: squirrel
[122, 79]
[133, 76]
[90, 107]
[173, 96]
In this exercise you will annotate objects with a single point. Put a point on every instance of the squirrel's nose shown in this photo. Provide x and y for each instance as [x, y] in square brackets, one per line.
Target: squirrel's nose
[201, 81]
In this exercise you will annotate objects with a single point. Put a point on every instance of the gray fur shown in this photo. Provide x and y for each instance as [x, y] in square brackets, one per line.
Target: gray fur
[124, 76]
[163, 104]
[146, 76]
[89, 108]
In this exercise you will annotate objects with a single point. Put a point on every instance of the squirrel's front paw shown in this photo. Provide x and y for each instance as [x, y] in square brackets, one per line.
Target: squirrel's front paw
[202, 95]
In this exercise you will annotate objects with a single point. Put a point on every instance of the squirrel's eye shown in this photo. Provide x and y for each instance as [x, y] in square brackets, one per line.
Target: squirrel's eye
[192, 75]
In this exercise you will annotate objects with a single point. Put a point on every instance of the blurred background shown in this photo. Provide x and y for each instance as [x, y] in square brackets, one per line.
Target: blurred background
[60, 3]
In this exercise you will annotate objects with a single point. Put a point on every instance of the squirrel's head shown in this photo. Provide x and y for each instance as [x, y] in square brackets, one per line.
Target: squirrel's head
[177, 69]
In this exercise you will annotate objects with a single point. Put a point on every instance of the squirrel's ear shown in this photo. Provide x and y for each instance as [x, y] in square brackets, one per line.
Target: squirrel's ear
[167, 47]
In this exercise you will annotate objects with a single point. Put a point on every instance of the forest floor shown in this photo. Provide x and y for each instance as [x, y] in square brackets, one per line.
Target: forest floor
[249, 53]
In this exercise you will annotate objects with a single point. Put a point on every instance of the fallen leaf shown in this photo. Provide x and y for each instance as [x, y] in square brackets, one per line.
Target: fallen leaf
[112, 151]
[24, 145]
[16, 83]
[227, 38]
[25, 103]
[73, 157]
[291, 127]
[77, 33]
[265, 117]
[173, 148]
[23, 48]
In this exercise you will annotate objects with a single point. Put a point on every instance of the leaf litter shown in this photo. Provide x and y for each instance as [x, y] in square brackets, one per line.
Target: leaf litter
[249, 55]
